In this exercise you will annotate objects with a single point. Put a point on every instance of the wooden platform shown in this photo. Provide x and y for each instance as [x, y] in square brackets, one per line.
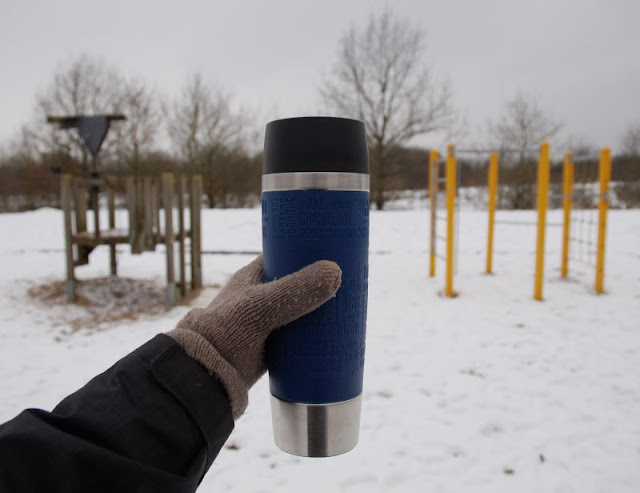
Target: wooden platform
[115, 237]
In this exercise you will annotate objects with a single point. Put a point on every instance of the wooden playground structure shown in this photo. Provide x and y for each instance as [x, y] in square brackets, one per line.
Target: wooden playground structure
[156, 216]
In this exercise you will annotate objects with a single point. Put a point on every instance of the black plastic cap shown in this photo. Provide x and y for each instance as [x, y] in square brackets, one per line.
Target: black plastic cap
[315, 143]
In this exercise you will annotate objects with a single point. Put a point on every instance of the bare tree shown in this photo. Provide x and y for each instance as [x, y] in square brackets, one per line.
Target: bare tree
[25, 180]
[136, 136]
[205, 130]
[84, 86]
[381, 79]
[631, 141]
[521, 127]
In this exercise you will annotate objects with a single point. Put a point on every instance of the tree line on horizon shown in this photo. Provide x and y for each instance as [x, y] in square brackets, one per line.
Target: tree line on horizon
[378, 77]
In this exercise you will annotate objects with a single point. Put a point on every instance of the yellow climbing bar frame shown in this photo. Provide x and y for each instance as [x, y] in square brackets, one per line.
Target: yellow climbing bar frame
[451, 203]
[604, 178]
[493, 200]
[542, 202]
[603, 208]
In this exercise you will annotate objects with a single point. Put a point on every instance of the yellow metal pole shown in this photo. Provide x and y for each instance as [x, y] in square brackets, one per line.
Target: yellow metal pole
[433, 190]
[603, 207]
[567, 202]
[493, 192]
[543, 195]
[451, 200]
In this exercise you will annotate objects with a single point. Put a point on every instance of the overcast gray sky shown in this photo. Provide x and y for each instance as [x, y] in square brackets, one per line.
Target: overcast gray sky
[580, 58]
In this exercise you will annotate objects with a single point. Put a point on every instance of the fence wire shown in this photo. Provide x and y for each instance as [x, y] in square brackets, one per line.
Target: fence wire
[439, 240]
[583, 218]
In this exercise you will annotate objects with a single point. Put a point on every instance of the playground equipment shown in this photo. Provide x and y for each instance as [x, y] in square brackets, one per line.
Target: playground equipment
[147, 228]
[578, 188]
[542, 202]
[580, 191]
[450, 172]
[143, 197]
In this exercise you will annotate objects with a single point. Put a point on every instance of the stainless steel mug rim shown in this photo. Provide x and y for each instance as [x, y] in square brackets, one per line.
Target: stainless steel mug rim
[315, 180]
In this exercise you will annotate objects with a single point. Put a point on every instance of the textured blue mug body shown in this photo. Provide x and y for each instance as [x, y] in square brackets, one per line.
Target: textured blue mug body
[310, 212]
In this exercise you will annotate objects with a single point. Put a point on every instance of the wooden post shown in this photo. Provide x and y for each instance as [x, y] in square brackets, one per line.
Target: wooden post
[140, 231]
[567, 202]
[493, 193]
[451, 202]
[182, 188]
[131, 206]
[147, 213]
[155, 211]
[603, 207]
[80, 200]
[94, 193]
[113, 261]
[196, 245]
[167, 202]
[65, 200]
[543, 196]
[433, 201]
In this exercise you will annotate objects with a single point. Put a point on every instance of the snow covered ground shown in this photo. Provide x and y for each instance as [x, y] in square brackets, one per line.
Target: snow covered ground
[487, 392]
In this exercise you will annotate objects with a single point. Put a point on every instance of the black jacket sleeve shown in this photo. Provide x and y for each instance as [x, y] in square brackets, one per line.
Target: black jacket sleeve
[154, 422]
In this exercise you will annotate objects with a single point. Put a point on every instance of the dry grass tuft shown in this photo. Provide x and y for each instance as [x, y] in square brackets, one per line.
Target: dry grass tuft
[102, 301]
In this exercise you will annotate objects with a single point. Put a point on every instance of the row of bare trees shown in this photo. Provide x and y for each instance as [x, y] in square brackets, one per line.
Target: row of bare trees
[379, 77]
[198, 131]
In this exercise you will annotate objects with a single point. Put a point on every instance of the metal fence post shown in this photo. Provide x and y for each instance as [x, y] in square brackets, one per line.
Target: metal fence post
[542, 201]
[603, 207]
[451, 200]
[567, 203]
[493, 192]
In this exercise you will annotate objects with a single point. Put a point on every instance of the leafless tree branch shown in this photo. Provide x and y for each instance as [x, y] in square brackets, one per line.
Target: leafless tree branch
[380, 79]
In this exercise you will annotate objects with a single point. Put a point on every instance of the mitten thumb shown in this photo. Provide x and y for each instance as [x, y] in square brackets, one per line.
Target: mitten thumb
[284, 300]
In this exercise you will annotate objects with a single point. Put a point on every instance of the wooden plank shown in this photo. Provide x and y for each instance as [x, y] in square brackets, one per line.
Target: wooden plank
[196, 245]
[167, 202]
[80, 202]
[113, 260]
[140, 233]
[182, 188]
[199, 227]
[118, 237]
[65, 200]
[94, 193]
[131, 206]
[155, 212]
[147, 211]
[80, 199]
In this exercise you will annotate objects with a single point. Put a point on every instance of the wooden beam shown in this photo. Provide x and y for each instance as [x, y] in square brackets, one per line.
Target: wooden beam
[65, 201]
[196, 239]
[167, 202]
[155, 211]
[131, 206]
[147, 212]
[140, 232]
[113, 260]
[182, 188]
[80, 199]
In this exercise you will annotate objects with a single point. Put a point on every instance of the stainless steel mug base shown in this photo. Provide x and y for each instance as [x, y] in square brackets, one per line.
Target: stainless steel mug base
[316, 430]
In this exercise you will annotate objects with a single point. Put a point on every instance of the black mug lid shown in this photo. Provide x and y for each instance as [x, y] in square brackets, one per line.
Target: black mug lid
[315, 143]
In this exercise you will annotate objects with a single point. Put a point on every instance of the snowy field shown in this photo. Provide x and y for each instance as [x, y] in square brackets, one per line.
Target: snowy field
[487, 392]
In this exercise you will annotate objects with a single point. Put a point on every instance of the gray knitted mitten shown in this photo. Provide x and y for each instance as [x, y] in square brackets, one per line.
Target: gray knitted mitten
[228, 336]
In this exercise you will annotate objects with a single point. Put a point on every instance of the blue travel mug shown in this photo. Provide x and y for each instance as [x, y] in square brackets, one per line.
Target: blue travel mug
[315, 206]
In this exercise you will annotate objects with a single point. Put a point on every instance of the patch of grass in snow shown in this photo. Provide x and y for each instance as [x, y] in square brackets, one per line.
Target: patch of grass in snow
[101, 302]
